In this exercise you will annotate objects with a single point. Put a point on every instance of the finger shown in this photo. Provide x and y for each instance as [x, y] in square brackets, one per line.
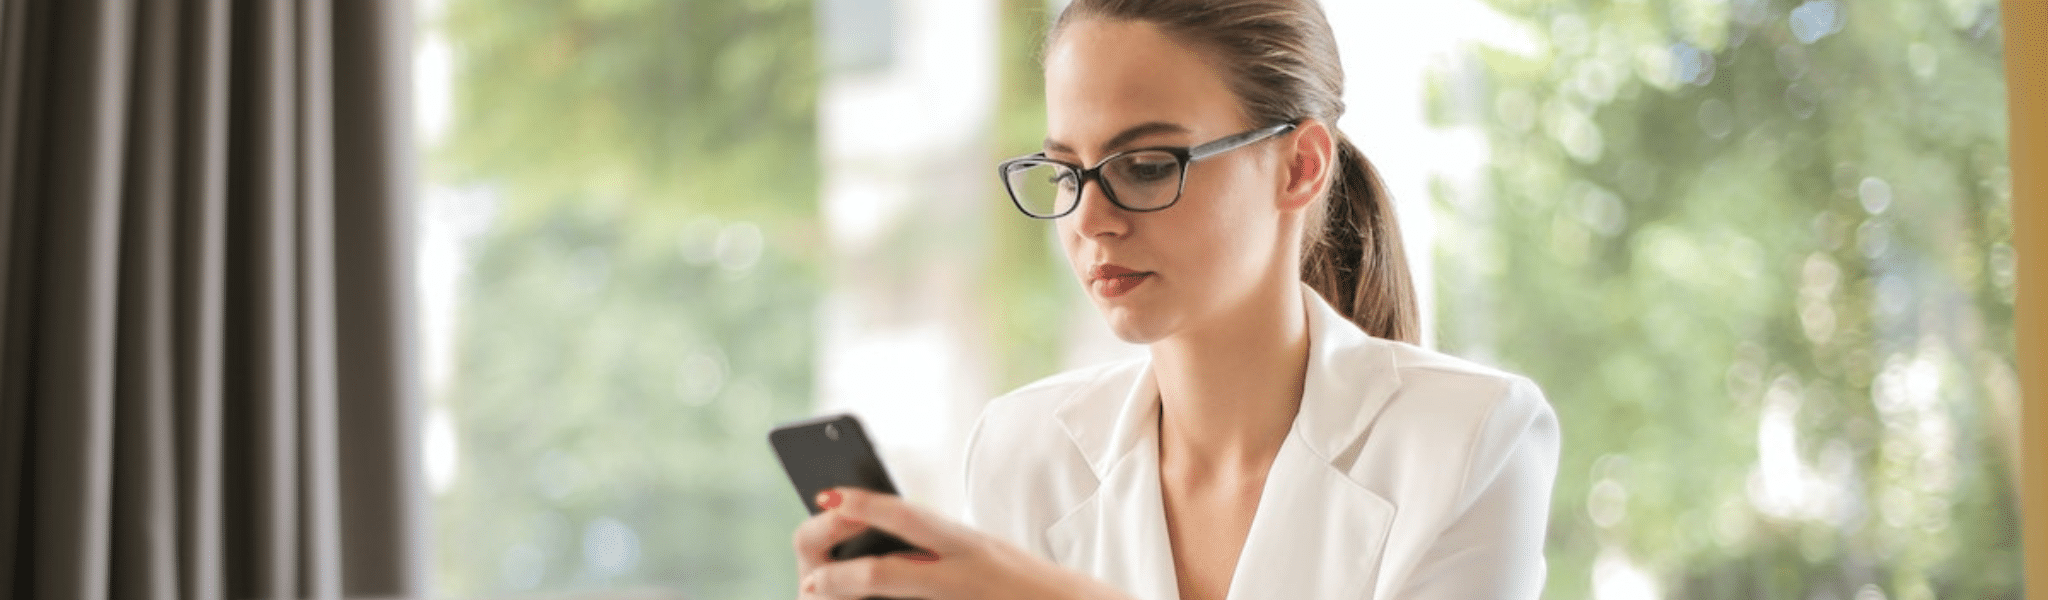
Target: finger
[816, 536]
[892, 576]
[807, 589]
[889, 513]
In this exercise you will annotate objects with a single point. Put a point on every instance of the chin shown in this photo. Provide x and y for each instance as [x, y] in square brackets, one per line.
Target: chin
[1134, 327]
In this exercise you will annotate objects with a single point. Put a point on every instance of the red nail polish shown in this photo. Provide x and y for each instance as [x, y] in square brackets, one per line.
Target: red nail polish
[828, 499]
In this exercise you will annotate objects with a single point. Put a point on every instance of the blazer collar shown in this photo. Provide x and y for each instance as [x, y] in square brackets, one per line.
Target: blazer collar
[1350, 375]
[1119, 533]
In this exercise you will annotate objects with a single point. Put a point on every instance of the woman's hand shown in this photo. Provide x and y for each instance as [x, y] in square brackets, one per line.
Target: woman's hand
[961, 563]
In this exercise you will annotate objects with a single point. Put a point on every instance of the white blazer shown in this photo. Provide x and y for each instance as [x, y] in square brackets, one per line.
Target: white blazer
[1407, 474]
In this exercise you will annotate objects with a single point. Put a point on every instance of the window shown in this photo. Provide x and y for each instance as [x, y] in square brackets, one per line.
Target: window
[1757, 253]
[620, 267]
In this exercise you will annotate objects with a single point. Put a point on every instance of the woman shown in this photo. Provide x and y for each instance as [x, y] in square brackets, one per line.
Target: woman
[1279, 441]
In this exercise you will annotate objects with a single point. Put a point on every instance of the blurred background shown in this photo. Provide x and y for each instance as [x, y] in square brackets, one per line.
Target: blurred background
[1757, 253]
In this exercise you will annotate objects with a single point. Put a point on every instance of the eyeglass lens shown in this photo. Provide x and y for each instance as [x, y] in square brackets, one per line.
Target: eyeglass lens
[1145, 180]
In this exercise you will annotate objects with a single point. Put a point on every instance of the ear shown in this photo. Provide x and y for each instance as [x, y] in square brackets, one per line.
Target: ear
[1310, 160]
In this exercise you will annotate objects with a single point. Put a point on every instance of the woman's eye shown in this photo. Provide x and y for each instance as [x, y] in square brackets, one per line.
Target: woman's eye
[1064, 180]
[1150, 171]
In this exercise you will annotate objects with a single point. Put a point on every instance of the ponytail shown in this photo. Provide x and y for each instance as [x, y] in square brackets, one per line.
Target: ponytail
[1355, 259]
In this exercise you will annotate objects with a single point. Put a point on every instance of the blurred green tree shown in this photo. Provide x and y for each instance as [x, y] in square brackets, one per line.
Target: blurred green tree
[640, 309]
[1757, 253]
[1026, 294]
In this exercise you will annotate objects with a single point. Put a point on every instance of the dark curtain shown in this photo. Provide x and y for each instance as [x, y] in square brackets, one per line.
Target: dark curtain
[206, 382]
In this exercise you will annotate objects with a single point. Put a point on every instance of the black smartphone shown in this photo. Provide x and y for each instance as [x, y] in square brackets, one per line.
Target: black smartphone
[833, 451]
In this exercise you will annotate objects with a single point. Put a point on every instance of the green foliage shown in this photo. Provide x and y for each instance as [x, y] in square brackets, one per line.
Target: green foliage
[1719, 247]
[1812, 241]
[666, 108]
[599, 383]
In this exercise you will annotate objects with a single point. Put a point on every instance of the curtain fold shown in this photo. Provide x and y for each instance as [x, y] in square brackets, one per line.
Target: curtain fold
[144, 517]
[206, 384]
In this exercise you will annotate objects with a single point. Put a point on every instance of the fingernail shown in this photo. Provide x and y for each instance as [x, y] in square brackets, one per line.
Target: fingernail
[828, 499]
[924, 556]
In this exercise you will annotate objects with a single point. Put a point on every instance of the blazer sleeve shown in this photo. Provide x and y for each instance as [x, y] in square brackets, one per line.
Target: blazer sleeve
[973, 513]
[1492, 544]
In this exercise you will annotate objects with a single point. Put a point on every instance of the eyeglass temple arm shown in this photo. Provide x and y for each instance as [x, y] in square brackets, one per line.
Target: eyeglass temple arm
[1232, 142]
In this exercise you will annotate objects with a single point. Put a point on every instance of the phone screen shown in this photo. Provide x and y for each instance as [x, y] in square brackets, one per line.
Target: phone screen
[833, 451]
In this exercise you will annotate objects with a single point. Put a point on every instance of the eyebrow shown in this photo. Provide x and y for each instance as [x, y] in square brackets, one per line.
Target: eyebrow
[1121, 139]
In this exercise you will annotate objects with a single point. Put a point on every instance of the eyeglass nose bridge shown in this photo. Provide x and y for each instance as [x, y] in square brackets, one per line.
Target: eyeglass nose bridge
[1102, 184]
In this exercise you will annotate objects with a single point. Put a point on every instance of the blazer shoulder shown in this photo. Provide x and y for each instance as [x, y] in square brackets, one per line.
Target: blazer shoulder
[1460, 413]
[1476, 391]
[1468, 455]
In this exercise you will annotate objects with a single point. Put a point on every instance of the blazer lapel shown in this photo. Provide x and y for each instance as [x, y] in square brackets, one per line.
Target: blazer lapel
[1119, 533]
[1316, 533]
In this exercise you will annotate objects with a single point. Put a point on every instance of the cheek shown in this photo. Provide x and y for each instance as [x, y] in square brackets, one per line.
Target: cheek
[1214, 240]
[1069, 240]
[1234, 224]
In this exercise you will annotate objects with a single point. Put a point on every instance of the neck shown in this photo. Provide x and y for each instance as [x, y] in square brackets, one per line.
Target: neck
[1229, 392]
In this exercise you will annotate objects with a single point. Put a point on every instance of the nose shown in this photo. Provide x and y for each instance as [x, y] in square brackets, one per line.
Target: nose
[1095, 216]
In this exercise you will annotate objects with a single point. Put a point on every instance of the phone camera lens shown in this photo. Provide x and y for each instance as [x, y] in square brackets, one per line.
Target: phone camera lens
[832, 431]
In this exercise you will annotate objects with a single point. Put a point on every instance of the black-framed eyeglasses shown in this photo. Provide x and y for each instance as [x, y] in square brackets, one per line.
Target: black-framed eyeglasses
[1140, 180]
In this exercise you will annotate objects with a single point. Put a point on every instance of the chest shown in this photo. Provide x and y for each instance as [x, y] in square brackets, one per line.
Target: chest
[1206, 529]
[1318, 534]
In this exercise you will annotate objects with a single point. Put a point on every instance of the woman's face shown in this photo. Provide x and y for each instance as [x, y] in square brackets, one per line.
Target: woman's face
[1116, 85]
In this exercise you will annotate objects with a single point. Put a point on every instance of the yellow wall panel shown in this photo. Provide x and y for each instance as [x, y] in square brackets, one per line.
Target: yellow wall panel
[2026, 72]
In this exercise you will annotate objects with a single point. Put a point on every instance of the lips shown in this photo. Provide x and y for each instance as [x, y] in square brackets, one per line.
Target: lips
[1118, 280]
